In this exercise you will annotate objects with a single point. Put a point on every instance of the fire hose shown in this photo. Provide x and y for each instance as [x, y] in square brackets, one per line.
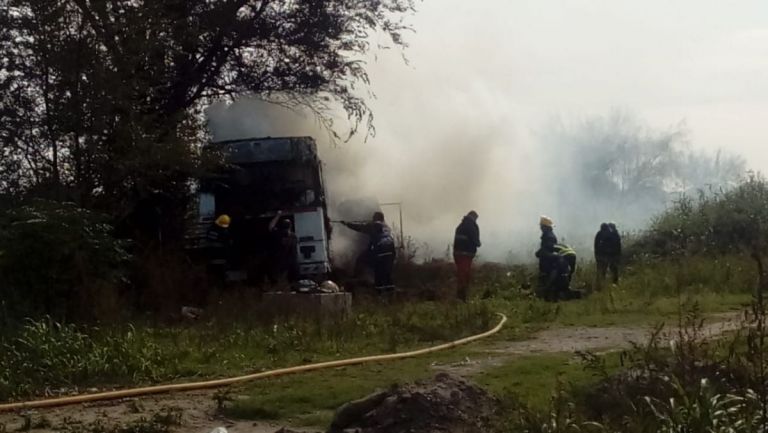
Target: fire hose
[193, 386]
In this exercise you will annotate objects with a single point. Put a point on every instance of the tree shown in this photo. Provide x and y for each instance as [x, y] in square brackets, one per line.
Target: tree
[615, 166]
[699, 170]
[102, 99]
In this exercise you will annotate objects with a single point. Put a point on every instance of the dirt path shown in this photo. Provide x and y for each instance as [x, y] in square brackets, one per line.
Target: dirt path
[198, 409]
[582, 339]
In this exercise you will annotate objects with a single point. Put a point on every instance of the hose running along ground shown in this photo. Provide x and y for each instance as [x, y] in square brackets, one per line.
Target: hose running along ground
[192, 386]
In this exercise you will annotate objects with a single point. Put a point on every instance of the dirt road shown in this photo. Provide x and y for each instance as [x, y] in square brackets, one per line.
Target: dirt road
[584, 339]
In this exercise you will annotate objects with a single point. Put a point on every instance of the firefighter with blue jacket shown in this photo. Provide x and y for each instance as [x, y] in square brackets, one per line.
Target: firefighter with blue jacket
[381, 248]
[557, 263]
[548, 258]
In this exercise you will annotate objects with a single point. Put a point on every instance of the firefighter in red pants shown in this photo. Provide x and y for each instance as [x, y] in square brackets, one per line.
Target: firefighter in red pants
[465, 245]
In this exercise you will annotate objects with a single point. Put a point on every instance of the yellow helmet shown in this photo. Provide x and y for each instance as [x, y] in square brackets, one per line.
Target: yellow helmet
[546, 221]
[223, 221]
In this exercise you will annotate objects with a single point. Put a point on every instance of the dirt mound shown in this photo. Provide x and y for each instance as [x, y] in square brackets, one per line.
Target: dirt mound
[446, 404]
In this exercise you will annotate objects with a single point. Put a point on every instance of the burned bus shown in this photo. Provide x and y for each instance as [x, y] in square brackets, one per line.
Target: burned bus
[264, 176]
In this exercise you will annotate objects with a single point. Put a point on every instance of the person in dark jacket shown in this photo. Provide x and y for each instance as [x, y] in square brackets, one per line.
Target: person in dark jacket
[548, 258]
[219, 245]
[607, 252]
[466, 241]
[283, 264]
[601, 248]
[381, 246]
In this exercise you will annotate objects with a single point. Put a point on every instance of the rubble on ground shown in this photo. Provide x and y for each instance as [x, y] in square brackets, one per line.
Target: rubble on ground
[445, 404]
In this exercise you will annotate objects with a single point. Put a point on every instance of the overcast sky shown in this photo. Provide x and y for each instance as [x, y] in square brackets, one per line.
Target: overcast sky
[705, 62]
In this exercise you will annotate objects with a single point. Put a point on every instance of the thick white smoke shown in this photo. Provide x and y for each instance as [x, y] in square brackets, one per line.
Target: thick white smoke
[445, 165]
[464, 126]
[453, 160]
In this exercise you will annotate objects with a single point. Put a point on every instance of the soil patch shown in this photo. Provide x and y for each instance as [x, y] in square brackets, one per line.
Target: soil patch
[445, 404]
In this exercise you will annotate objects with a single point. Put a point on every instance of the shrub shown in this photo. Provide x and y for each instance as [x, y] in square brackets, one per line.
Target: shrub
[715, 222]
[689, 383]
[60, 260]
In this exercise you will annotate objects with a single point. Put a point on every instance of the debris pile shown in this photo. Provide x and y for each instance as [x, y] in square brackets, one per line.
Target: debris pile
[445, 404]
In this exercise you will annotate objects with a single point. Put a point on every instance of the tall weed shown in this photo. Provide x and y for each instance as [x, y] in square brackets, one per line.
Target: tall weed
[48, 357]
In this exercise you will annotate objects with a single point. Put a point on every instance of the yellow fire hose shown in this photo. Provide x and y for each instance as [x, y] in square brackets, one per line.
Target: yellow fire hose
[136, 392]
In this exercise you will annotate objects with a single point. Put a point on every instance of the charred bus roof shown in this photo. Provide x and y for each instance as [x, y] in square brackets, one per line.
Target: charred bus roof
[268, 149]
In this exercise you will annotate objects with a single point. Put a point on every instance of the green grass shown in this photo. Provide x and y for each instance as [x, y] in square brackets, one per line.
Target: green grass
[655, 291]
[43, 355]
[534, 379]
[620, 307]
[310, 399]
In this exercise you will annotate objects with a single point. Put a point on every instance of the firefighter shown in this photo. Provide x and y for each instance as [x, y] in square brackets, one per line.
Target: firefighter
[381, 248]
[546, 250]
[607, 252]
[565, 268]
[219, 246]
[466, 241]
[569, 254]
[284, 264]
[548, 258]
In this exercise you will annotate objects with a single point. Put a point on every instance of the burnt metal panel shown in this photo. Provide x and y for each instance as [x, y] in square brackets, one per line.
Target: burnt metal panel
[253, 150]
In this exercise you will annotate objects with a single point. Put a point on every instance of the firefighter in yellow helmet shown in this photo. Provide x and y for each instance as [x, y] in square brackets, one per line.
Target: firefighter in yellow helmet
[548, 257]
[219, 242]
[548, 238]
[223, 221]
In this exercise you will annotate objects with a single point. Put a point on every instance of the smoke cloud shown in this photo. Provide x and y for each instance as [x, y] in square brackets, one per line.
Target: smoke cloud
[581, 173]
[468, 123]
[437, 171]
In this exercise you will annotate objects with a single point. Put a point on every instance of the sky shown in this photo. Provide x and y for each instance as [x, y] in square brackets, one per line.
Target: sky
[459, 120]
[705, 62]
